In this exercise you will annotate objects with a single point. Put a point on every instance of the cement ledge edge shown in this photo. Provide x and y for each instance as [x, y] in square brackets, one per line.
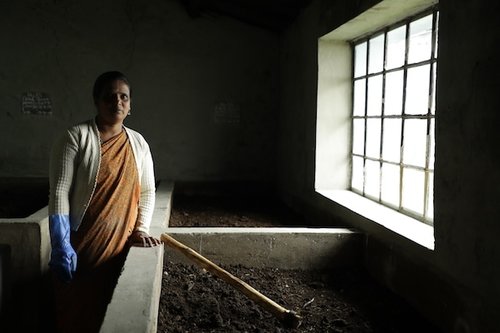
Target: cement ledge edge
[135, 301]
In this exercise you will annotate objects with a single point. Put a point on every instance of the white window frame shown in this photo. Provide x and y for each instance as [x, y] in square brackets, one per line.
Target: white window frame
[333, 125]
[377, 160]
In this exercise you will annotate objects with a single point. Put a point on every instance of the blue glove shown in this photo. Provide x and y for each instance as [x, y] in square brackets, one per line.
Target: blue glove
[63, 256]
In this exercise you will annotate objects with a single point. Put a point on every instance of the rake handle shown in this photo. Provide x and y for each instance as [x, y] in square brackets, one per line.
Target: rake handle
[289, 318]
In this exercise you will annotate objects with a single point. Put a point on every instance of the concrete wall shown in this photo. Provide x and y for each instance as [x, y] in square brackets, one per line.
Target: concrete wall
[457, 284]
[203, 88]
[283, 248]
[206, 98]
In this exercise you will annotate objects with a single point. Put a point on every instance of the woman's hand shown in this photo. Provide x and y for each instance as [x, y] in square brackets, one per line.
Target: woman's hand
[142, 239]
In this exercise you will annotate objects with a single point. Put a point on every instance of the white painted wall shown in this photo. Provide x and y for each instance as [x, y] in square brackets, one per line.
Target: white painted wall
[333, 122]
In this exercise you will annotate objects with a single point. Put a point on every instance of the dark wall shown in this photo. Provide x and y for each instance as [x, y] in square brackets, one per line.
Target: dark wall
[466, 227]
[204, 89]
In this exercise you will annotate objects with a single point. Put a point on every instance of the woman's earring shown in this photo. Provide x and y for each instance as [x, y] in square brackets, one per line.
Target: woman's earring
[129, 113]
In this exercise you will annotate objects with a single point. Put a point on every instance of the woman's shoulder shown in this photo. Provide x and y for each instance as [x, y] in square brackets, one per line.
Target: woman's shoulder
[86, 125]
[78, 132]
[139, 144]
[135, 135]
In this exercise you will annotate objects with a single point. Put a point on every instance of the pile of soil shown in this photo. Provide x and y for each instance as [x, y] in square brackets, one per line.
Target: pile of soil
[348, 300]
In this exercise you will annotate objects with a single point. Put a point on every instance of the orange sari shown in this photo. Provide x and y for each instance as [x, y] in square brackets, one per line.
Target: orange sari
[101, 240]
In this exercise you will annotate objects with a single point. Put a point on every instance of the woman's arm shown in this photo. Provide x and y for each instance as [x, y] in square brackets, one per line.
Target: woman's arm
[62, 165]
[140, 236]
[61, 171]
[147, 197]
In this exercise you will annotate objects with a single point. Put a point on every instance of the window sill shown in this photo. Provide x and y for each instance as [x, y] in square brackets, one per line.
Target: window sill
[403, 225]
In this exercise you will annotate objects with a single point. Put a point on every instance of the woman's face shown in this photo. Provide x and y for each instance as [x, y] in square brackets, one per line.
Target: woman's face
[114, 103]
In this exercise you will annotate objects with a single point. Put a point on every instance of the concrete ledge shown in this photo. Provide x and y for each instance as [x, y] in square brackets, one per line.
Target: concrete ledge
[29, 241]
[410, 228]
[285, 248]
[134, 306]
[163, 206]
[26, 262]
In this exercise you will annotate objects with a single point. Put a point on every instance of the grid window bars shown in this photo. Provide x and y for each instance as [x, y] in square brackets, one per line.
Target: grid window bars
[394, 93]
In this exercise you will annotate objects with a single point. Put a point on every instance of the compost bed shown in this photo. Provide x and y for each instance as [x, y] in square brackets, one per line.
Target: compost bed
[193, 300]
[231, 211]
[341, 300]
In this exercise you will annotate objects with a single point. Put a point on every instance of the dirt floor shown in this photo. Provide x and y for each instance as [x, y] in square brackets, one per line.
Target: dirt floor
[192, 300]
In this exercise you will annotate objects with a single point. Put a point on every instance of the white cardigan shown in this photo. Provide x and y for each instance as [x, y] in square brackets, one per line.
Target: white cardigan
[74, 166]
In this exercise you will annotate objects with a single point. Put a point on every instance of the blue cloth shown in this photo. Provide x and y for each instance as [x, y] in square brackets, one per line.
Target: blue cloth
[62, 256]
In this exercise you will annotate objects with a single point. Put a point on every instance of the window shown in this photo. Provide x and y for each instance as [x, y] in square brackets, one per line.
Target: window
[393, 110]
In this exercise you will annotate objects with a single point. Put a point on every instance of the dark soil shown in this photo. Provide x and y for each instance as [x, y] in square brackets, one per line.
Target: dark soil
[206, 211]
[348, 300]
[193, 300]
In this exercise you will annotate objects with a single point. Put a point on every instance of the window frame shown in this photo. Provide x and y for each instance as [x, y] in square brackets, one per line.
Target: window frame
[429, 116]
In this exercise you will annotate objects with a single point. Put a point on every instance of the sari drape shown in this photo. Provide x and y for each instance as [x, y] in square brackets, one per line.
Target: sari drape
[101, 240]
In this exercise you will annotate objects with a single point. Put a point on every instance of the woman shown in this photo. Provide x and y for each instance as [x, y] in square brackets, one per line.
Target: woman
[102, 193]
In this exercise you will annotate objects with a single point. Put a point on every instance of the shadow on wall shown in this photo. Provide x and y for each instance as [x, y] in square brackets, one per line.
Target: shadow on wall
[21, 197]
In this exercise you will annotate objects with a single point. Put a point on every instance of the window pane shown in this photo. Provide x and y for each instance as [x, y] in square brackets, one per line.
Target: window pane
[432, 145]
[413, 190]
[396, 47]
[415, 142]
[373, 137]
[393, 108]
[360, 59]
[359, 97]
[358, 136]
[390, 184]
[391, 149]
[393, 93]
[417, 90]
[372, 181]
[374, 96]
[357, 173]
[430, 198]
[420, 39]
[376, 56]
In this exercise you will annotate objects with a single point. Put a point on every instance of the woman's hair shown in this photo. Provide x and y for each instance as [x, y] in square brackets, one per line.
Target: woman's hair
[105, 79]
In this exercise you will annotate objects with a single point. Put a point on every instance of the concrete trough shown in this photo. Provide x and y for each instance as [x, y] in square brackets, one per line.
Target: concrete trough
[134, 307]
[25, 250]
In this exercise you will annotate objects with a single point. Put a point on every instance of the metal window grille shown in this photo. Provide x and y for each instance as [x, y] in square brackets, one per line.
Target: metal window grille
[393, 119]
